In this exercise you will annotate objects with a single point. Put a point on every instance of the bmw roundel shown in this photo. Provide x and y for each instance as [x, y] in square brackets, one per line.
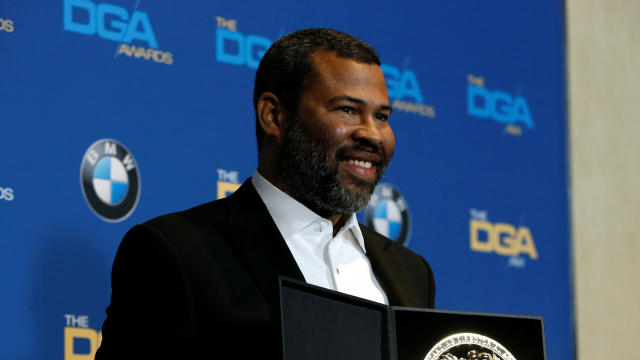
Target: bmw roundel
[388, 214]
[110, 180]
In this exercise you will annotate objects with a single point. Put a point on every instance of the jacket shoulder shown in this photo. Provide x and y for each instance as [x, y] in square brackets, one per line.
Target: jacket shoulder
[196, 217]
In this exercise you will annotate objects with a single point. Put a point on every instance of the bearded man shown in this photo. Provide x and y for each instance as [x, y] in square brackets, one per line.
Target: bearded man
[204, 281]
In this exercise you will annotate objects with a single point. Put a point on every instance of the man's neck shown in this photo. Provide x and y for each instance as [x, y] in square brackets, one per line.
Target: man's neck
[338, 222]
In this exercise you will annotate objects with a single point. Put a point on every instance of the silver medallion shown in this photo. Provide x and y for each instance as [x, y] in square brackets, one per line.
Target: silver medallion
[468, 346]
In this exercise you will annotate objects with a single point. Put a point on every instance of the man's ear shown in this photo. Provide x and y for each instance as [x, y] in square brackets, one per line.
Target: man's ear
[271, 115]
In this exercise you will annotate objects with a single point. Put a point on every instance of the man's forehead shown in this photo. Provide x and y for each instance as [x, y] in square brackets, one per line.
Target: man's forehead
[324, 57]
[345, 77]
[330, 66]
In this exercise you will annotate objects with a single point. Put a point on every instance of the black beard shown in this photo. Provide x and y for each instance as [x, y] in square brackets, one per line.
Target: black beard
[309, 174]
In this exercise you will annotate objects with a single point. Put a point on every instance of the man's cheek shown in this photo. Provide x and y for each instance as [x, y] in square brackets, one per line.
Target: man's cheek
[389, 144]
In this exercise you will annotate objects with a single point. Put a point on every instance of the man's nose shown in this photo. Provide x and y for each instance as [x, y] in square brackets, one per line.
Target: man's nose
[369, 131]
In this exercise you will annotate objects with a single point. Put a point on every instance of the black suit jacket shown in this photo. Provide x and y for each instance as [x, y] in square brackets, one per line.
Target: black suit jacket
[202, 282]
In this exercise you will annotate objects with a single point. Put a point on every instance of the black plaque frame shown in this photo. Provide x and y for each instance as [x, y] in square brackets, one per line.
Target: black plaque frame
[323, 324]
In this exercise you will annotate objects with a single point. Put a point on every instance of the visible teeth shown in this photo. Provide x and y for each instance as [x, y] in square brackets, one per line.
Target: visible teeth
[364, 164]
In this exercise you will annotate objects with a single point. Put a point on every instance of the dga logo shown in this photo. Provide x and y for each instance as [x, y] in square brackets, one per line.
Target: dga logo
[6, 25]
[236, 48]
[388, 214]
[227, 183]
[6, 194]
[468, 346]
[501, 238]
[403, 87]
[112, 22]
[498, 106]
[110, 180]
[80, 341]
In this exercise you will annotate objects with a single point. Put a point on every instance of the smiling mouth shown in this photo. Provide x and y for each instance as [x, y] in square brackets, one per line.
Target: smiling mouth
[363, 170]
[364, 164]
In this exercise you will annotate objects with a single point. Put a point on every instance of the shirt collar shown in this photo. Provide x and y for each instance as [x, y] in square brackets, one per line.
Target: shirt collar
[290, 215]
[352, 224]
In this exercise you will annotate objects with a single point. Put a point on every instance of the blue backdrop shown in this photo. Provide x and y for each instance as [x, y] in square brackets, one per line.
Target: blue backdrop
[162, 90]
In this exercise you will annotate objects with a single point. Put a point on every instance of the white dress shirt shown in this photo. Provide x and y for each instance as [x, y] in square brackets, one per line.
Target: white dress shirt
[336, 263]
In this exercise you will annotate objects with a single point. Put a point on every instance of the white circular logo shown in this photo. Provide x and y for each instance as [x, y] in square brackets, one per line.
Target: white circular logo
[110, 180]
[388, 214]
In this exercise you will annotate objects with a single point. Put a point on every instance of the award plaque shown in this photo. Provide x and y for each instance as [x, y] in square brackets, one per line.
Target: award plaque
[322, 324]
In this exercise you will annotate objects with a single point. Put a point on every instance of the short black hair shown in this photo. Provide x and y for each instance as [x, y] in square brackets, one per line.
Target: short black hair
[287, 64]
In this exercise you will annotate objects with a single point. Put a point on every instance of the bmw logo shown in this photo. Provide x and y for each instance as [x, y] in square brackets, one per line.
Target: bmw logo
[388, 214]
[110, 180]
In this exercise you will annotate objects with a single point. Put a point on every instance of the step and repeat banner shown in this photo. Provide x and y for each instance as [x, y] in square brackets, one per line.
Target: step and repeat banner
[117, 111]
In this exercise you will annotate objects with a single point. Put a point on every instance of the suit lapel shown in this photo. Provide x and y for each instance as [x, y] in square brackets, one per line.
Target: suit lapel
[388, 270]
[257, 242]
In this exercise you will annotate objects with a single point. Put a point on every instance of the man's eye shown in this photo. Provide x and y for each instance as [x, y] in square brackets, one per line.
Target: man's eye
[348, 109]
[383, 117]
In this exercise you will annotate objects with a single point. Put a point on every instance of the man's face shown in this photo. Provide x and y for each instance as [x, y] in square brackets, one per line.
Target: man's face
[338, 143]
